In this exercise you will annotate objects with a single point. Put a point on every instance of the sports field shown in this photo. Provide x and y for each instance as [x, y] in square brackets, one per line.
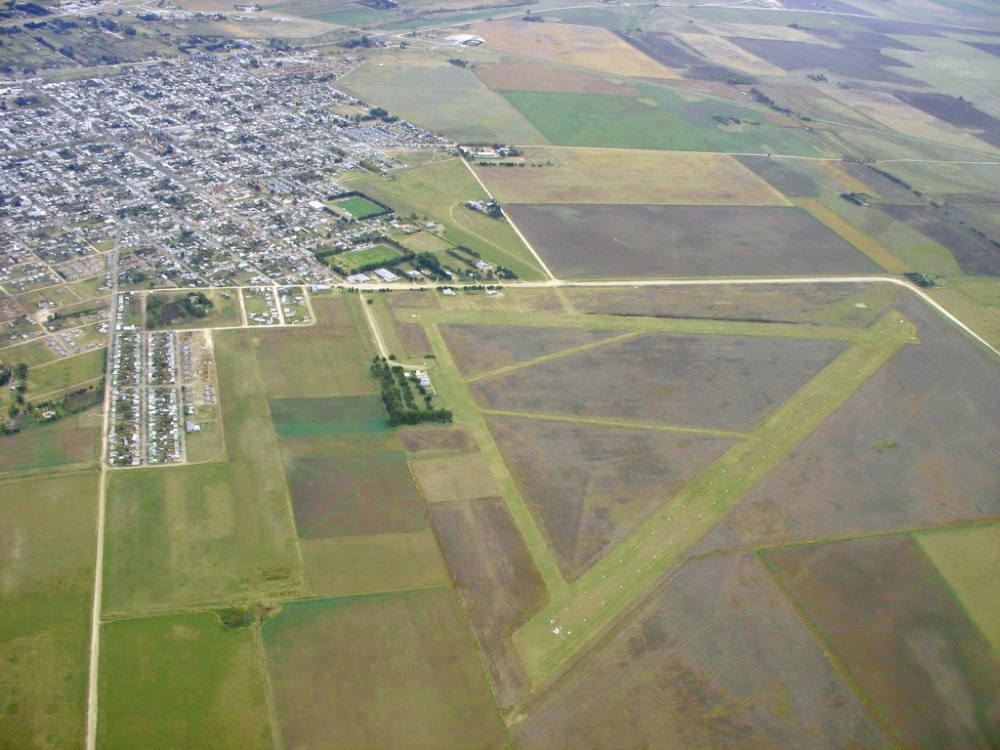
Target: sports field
[359, 207]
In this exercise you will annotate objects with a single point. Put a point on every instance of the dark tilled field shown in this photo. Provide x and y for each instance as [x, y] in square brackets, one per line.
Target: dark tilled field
[975, 255]
[991, 48]
[955, 112]
[428, 439]
[830, 6]
[861, 39]
[674, 53]
[719, 382]
[783, 177]
[497, 581]
[914, 446]
[893, 622]
[590, 486]
[615, 241]
[351, 494]
[478, 349]
[865, 63]
[714, 658]
[414, 339]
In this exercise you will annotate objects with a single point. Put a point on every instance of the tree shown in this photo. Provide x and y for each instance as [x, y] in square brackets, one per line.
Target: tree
[21, 371]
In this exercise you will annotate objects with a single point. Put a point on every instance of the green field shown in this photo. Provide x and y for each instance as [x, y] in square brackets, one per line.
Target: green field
[375, 254]
[359, 207]
[66, 373]
[329, 416]
[70, 441]
[181, 681]
[47, 552]
[659, 119]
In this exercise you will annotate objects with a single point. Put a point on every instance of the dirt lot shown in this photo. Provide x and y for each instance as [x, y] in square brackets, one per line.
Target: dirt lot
[581, 46]
[914, 653]
[350, 494]
[497, 581]
[717, 382]
[479, 349]
[863, 63]
[974, 254]
[380, 672]
[733, 669]
[605, 241]
[590, 486]
[920, 437]
[521, 75]
[599, 175]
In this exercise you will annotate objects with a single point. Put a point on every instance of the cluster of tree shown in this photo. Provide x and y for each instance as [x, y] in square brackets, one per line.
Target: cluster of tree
[894, 179]
[399, 399]
[920, 279]
[858, 199]
[162, 311]
[759, 96]
[18, 373]
[499, 163]
[458, 62]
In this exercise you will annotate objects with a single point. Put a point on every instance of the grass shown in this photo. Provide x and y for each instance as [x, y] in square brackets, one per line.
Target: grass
[438, 191]
[859, 239]
[580, 611]
[350, 415]
[967, 557]
[376, 254]
[66, 373]
[225, 312]
[69, 442]
[359, 207]
[47, 545]
[181, 681]
[407, 659]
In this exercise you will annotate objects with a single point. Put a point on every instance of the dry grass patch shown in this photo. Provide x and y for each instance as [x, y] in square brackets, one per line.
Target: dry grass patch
[600, 175]
[432, 439]
[522, 75]
[723, 52]
[454, 479]
[581, 46]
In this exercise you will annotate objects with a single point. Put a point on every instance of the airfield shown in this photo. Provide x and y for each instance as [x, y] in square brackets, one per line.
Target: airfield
[722, 469]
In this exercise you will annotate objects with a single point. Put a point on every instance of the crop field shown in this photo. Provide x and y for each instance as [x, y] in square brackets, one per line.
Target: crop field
[839, 305]
[659, 119]
[722, 51]
[497, 581]
[966, 557]
[788, 177]
[716, 383]
[454, 479]
[589, 242]
[953, 704]
[590, 485]
[587, 47]
[479, 349]
[523, 75]
[619, 176]
[352, 565]
[440, 97]
[202, 679]
[328, 416]
[354, 494]
[421, 442]
[408, 659]
[47, 550]
[976, 255]
[920, 435]
[734, 668]
[72, 441]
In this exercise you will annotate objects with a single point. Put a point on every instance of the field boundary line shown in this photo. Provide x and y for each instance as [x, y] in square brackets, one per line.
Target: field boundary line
[265, 677]
[620, 423]
[496, 372]
[832, 655]
[857, 239]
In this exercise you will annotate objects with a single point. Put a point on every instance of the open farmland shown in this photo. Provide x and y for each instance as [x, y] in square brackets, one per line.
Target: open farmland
[354, 494]
[408, 659]
[716, 383]
[590, 485]
[202, 678]
[453, 479]
[974, 253]
[605, 241]
[921, 437]
[714, 657]
[602, 176]
[420, 441]
[47, 545]
[580, 46]
[916, 623]
[522, 75]
[497, 581]
[479, 349]
[295, 417]
[72, 441]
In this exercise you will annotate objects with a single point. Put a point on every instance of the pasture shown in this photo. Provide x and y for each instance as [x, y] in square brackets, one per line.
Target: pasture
[349, 494]
[453, 479]
[346, 415]
[654, 680]
[497, 581]
[716, 383]
[65, 373]
[173, 681]
[69, 442]
[511, 74]
[47, 550]
[912, 621]
[408, 659]
[603, 176]
[605, 241]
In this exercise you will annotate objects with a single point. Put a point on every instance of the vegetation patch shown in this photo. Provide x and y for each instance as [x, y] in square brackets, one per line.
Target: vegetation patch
[407, 658]
[327, 416]
[454, 478]
[914, 623]
[164, 311]
[398, 397]
[360, 206]
[349, 494]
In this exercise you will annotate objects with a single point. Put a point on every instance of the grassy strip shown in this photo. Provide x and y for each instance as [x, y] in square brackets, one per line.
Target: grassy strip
[622, 423]
[856, 237]
[579, 612]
